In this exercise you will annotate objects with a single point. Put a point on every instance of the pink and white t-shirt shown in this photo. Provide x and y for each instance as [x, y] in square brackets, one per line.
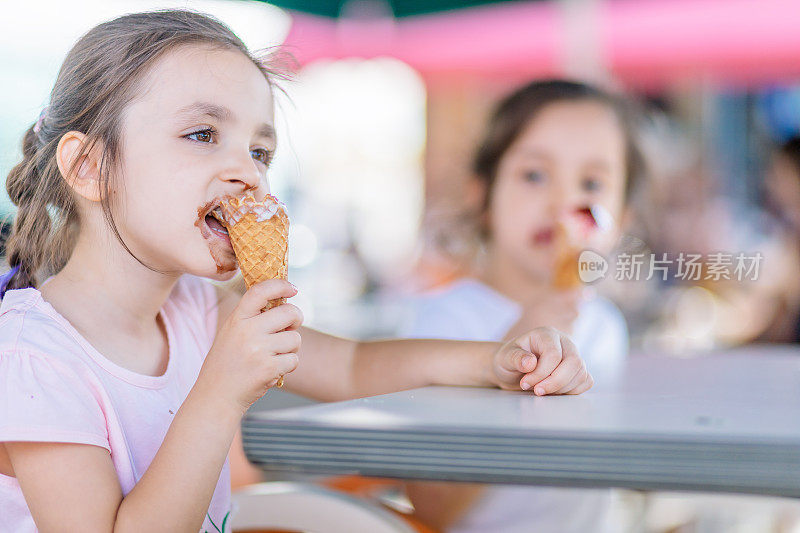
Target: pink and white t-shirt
[55, 387]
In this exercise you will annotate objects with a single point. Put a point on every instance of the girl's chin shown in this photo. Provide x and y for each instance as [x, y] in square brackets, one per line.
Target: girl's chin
[224, 276]
[216, 271]
[540, 271]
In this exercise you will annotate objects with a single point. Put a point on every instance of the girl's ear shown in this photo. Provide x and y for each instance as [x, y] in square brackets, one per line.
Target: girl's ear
[80, 170]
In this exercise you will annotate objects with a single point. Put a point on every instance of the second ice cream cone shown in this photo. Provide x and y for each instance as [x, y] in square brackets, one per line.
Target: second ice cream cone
[565, 272]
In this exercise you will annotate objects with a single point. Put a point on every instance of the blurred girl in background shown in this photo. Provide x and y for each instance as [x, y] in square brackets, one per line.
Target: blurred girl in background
[552, 151]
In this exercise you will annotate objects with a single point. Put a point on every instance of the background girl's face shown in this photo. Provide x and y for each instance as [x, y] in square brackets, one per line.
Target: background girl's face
[202, 129]
[572, 154]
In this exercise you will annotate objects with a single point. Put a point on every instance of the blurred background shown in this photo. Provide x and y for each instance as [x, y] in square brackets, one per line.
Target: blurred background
[387, 102]
[389, 98]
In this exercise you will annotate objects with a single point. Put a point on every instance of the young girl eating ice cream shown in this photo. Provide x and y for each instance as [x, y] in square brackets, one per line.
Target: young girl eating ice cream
[124, 371]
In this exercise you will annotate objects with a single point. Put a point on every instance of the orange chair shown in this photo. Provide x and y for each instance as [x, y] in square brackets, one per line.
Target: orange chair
[350, 504]
[380, 490]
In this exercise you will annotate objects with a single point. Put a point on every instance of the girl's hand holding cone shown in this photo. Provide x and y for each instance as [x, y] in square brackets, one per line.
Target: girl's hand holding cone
[253, 350]
[259, 234]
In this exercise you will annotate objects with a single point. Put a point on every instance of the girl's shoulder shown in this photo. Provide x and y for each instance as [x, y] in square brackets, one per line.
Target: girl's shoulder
[29, 324]
[48, 386]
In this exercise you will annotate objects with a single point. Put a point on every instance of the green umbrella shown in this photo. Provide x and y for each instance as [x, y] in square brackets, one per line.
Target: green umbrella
[399, 8]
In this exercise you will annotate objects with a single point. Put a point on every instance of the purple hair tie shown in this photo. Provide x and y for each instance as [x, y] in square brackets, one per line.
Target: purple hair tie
[38, 125]
[6, 278]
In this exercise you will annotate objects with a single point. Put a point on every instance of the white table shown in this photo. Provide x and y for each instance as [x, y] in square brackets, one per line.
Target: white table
[723, 422]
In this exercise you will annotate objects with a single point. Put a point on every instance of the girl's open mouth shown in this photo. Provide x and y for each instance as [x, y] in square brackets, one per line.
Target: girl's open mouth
[216, 226]
[544, 237]
[210, 223]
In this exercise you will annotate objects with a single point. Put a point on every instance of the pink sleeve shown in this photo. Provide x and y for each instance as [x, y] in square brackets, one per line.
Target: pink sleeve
[46, 400]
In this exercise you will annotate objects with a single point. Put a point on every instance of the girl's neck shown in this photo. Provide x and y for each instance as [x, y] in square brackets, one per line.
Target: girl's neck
[503, 275]
[109, 287]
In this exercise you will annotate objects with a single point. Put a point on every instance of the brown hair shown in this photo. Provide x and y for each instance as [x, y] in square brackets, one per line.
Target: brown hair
[791, 151]
[98, 79]
[517, 110]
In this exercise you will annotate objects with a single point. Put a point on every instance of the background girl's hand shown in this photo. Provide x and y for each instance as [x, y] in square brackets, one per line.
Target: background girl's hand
[252, 350]
[544, 360]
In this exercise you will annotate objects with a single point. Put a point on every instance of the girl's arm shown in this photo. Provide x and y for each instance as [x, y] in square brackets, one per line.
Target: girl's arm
[332, 368]
[74, 487]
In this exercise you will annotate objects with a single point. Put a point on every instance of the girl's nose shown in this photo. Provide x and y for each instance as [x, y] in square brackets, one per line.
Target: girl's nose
[569, 197]
[245, 176]
[566, 204]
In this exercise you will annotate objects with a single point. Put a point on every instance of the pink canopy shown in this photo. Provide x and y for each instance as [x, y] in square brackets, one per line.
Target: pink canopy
[639, 42]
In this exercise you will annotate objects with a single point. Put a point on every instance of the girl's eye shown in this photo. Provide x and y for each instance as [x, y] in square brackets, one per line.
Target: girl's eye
[592, 185]
[533, 176]
[261, 155]
[203, 136]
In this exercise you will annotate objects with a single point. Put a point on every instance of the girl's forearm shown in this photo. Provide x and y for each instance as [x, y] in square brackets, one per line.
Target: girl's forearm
[175, 492]
[381, 367]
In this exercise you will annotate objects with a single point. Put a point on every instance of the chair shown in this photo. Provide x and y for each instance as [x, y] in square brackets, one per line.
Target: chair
[286, 506]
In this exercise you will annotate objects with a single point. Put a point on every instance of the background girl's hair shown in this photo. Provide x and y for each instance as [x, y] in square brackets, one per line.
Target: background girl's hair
[791, 151]
[518, 109]
[101, 74]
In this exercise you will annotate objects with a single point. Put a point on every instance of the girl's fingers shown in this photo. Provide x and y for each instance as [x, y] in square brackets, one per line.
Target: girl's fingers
[583, 387]
[284, 342]
[286, 316]
[561, 376]
[518, 361]
[258, 296]
[576, 381]
[568, 367]
[544, 343]
[280, 365]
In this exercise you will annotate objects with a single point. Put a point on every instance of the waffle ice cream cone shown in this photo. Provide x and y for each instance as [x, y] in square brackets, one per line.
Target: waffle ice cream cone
[565, 273]
[259, 233]
[580, 226]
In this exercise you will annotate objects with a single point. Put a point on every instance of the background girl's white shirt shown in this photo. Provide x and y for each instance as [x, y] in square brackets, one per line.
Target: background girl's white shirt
[470, 310]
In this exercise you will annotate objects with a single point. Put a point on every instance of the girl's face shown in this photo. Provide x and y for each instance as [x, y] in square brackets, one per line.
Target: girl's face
[570, 156]
[202, 129]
